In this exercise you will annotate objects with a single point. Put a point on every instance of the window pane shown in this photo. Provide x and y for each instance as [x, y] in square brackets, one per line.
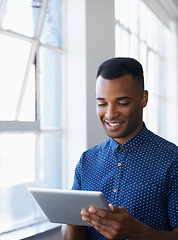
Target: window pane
[122, 48]
[151, 87]
[51, 33]
[133, 46]
[17, 159]
[117, 41]
[142, 20]
[124, 15]
[133, 16]
[13, 60]
[28, 107]
[16, 207]
[21, 17]
[149, 28]
[26, 160]
[143, 59]
[50, 65]
[117, 10]
[50, 160]
[17, 168]
[125, 46]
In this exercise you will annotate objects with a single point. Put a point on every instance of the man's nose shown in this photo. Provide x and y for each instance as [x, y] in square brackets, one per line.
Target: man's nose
[111, 112]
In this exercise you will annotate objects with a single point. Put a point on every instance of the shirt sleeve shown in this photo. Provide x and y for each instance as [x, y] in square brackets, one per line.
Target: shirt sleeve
[173, 196]
[77, 177]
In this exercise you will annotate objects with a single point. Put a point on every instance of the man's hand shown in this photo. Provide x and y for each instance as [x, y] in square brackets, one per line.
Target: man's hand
[119, 224]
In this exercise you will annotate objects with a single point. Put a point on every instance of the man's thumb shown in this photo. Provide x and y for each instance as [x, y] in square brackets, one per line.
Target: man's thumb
[118, 209]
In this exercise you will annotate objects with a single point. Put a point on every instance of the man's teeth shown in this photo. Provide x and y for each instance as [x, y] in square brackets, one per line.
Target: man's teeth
[113, 124]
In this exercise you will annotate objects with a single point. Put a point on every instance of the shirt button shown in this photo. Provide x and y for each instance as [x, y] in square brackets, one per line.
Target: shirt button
[122, 147]
[115, 190]
[119, 164]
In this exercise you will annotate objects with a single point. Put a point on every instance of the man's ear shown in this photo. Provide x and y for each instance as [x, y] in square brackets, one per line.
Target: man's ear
[144, 98]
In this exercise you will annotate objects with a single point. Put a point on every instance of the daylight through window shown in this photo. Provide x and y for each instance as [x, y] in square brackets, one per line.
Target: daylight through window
[30, 106]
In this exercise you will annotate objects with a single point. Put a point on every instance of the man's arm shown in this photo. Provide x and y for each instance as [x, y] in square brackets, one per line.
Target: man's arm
[119, 224]
[73, 232]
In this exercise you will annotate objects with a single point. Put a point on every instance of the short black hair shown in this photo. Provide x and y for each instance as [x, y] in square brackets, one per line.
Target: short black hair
[117, 67]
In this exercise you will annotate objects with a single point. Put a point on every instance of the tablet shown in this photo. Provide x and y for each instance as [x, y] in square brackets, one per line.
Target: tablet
[64, 206]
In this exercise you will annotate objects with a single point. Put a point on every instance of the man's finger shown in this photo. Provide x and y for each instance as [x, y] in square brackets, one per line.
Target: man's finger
[118, 209]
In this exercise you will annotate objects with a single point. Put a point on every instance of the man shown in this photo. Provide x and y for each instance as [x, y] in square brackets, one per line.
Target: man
[135, 169]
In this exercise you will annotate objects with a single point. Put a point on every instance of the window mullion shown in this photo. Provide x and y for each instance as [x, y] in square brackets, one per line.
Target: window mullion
[19, 126]
[44, 6]
[26, 77]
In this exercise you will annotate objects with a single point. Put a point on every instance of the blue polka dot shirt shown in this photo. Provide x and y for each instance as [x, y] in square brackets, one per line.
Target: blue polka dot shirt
[140, 175]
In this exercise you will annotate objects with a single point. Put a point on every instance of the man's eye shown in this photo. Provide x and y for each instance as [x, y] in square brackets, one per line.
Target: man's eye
[123, 103]
[101, 104]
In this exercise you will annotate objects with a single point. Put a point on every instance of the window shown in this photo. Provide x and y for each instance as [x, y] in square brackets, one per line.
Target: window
[142, 35]
[31, 98]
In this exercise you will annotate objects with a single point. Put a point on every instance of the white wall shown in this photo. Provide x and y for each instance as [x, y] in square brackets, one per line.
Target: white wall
[100, 45]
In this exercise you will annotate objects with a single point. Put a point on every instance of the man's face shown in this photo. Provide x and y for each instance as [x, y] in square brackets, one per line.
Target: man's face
[120, 105]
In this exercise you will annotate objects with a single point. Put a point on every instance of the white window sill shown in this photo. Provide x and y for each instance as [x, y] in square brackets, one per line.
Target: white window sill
[32, 232]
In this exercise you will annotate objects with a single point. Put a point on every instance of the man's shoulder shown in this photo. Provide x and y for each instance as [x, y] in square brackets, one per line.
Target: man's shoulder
[162, 143]
[100, 147]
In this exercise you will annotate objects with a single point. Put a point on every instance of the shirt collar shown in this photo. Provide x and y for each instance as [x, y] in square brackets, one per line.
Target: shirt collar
[133, 142]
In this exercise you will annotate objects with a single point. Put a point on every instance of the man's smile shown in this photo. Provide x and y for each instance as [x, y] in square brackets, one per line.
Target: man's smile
[113, 124]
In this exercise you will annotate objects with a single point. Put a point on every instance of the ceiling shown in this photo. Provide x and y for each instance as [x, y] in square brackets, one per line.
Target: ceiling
[166, 10]
[171, 8]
